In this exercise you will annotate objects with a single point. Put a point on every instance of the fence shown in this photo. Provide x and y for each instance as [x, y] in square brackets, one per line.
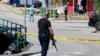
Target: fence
[12, 30]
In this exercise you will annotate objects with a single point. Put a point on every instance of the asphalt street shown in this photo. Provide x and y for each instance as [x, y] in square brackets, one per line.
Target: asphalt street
[70, 29]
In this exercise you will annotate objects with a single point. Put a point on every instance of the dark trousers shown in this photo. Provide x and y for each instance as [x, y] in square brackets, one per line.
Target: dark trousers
[44, 42]
[92, 22]
[31, 17]
[65, 11]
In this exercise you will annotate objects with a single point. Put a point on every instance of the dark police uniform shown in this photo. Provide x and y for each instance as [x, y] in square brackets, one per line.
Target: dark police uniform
[65, 12]
[43, 35]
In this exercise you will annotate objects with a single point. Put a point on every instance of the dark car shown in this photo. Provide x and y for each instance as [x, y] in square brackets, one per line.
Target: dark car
[11, 38]
[5, 41]
[36, 3]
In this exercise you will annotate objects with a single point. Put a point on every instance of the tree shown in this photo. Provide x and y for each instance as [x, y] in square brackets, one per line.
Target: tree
[97, 3]
[65, 2]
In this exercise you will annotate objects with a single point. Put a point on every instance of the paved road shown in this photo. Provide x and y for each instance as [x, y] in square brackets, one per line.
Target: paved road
[71, 29]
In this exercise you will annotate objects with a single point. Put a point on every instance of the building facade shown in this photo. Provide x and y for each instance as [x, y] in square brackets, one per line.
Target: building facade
[88, 5]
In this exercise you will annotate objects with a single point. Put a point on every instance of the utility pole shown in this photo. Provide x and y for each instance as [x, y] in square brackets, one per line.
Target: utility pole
[73, 6]
[25, 13]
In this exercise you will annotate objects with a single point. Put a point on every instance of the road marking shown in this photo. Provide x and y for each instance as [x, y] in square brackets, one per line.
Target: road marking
[36, 55]
[65, 55]
[77, 52]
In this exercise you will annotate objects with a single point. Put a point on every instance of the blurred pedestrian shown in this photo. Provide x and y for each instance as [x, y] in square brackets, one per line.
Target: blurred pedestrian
[44, 33]
[93, 18]
[80, 9]
[65, 11]
[31, 13]
[47, 3]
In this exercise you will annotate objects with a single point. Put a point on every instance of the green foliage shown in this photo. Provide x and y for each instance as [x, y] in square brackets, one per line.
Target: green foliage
[65, 2]
[97, 3]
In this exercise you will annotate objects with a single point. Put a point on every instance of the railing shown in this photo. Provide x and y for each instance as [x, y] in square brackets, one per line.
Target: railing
[13, 31]
[11, 27]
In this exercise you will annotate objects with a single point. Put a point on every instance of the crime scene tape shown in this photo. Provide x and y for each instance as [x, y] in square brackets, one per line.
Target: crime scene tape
[70, 38]
[77, 39]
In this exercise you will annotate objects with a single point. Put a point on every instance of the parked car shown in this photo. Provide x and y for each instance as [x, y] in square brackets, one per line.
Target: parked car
[5, 41]
[11, 38]
[36, 3]
[21, 3]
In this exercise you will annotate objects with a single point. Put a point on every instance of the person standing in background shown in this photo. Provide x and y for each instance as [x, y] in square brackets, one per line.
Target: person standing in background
[31, 13]
[80, 9]
[65, 11]
[47, 3]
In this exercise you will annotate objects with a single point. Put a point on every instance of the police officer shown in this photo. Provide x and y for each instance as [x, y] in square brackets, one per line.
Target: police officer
[45, 30]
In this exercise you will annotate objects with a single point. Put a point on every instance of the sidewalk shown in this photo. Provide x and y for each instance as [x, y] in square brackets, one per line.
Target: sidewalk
[17, 10]
[54, 20]
[10, 8]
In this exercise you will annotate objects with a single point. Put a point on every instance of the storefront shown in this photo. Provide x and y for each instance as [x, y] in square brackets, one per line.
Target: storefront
[88, 5]
[58, 2]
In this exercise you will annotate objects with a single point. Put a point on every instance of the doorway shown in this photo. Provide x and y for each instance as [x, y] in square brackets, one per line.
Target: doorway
[84, 4]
